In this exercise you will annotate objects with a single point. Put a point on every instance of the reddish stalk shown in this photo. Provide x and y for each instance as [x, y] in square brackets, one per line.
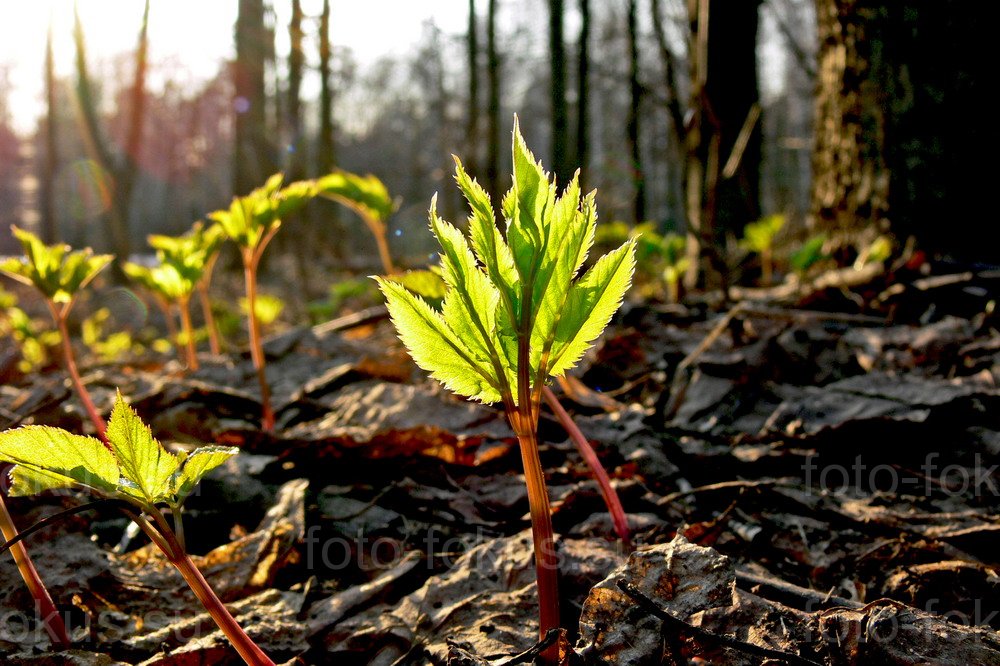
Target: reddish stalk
[206, 311]
[250, 261]
[187, 330]
[167, 541]
[614, 504]
[525, 424]
[60, 317]
[50, 616]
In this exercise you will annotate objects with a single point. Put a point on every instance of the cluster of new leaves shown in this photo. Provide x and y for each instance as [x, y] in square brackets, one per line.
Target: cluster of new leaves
[252, 219]
[54, 270]
[759, 236]
[366, 195]
[133, 466]
[507, 295]
[181, 262]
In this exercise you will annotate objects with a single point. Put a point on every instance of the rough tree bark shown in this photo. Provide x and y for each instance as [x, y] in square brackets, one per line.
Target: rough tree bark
[900, 122]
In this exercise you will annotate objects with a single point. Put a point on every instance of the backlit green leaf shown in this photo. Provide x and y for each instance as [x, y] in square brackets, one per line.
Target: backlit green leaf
[366, 195]
[199, 463]
[435, 347]
[142, 459]
[53, 269]
[55, 458]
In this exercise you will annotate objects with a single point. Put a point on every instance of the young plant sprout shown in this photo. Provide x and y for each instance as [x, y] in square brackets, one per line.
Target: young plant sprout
[59, 274]
[135, 472]
[368, 197]
[674, 250]
[169, 290]
[759, 237]
[251, 222]
[514, 314]
[194, 255]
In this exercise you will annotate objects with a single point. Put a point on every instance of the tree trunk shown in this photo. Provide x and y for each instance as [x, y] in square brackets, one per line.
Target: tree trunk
[326, 149]
[296, 62]
[121, 169]
[898, 141]
[492, 184]
[471, 157]
[50, 164]
[583, 92]
[632, 123]
[251, 159]
[560, 114]
[722, 139]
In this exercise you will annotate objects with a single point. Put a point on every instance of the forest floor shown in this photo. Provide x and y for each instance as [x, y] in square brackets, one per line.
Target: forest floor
[809, 480]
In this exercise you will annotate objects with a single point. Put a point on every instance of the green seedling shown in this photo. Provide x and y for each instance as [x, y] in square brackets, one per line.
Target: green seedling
[369, 198]
[109, 347]
[140, 476]
[810, 254]
[673, 248]
[515, 313]
[878, 251]
[251, 222]
[194, 255]
[267, 308]
[759, 237]
[33, 340]
[169, 289]
[59, 274]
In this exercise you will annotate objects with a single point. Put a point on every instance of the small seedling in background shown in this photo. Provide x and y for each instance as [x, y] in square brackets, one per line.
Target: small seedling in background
[34, 341]
[514, 314]
[674, 251]
[251, 222]
[194, 255]
[135, 471]
[879, 250]
[759, 237]
[368, 197]
[109, 347]
[810, 254]
[267, 308]
[168, 288]
[59, 274]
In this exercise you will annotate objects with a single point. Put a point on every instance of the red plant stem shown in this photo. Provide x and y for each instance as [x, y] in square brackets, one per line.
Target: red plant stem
[206, 311]
[525, 423]
[188, 332]
[256, 347]
[51, 618]
[167, 541]
[74, 373]
[614, 504]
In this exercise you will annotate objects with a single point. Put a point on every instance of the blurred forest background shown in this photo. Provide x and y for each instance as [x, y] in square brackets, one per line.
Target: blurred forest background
[854, 118]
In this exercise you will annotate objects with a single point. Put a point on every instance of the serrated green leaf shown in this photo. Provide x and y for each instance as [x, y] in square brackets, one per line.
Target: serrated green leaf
[53, 269]
[199, 463]
[142, 459]
[435, 347]
[525, 206]
[366, 195]
[592, 302]
[487, 241]
[55, 458]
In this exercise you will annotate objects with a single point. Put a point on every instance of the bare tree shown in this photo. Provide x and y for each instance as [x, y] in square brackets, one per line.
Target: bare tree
[633, 123]
[122, 168]
[49, 227]
[583, 92]
[560, 113]
[326, 150]
[492, 184]
[251, 155]
[472, 108]
[296, 63]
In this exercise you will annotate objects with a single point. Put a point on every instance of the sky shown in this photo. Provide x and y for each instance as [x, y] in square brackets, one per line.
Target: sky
[194, 35]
